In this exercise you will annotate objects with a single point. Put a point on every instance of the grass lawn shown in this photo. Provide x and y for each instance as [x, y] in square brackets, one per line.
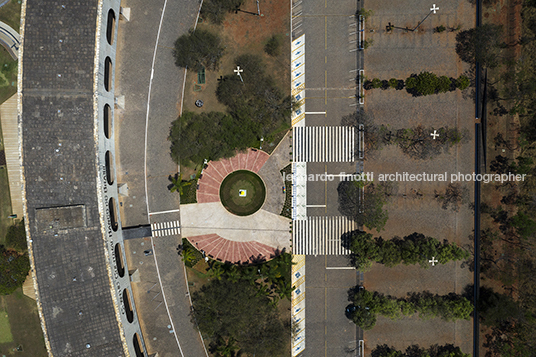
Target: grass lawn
[5, 204]
[25, 326]
[5, 329]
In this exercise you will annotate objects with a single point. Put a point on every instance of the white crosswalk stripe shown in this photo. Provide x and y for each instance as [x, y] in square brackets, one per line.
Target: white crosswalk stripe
[324, 143]
[163, 229]
[321, 235]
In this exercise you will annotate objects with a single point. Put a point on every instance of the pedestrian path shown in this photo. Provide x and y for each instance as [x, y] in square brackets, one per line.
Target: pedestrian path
[321, 235]
[215, 171]
[324, 144]
[298, 304]
[225, 250]
[162, 229]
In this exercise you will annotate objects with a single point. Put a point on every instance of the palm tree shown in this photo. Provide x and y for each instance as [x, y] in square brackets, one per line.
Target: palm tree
[226, 349]
[216, 270]
[177, 184]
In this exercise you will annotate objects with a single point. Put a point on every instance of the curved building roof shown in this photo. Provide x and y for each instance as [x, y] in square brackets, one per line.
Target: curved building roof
[78, 306]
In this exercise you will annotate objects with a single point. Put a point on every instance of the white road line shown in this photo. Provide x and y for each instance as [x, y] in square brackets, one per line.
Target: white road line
[340, 268]
[315, 112]
[163, 212]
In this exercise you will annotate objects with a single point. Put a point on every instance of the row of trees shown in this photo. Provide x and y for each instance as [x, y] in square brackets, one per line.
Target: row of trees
[424, 83]
[367, 305]
[447, 350]
[415, 248]
[416, 142]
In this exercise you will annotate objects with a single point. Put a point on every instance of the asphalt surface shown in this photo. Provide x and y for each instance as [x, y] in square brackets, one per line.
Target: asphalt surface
[152, 86]
[330, 87]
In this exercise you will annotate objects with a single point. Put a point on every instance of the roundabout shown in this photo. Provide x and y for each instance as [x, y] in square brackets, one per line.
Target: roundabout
[242, 192]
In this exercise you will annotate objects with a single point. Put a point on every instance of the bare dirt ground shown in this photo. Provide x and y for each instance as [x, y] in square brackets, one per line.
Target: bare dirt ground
[414, 208]
[245, 33]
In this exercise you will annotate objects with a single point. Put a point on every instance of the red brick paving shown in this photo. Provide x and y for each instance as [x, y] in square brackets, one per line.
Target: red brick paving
[231, 251]
[209, 183]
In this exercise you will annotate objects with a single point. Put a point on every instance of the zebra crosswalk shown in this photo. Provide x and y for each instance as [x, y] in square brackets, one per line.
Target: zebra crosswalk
[165, 228]
[321, 235]
[324, 143]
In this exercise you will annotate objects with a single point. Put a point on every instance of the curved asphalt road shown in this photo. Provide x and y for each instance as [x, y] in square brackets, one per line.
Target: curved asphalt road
[152, 86]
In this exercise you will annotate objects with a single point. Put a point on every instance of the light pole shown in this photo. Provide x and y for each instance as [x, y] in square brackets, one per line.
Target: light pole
[432, 9]
[238, 71]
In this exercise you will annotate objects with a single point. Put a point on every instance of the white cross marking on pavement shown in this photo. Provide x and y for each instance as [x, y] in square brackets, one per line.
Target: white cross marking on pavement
[434, 9]
[433, 261]
[434, 134]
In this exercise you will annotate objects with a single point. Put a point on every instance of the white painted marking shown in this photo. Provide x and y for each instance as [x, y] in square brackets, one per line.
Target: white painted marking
[163, 212]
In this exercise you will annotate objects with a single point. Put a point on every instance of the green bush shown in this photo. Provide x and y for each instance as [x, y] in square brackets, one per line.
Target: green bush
[444, 84]
[376, 83]
[393, 83]
[190, 255]
[427, 83]
[462, 82]
[273, 46]
[440, 29]
[411, 82]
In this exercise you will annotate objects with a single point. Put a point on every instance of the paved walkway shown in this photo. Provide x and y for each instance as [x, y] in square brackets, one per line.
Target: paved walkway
[10, 39]
[230, 251]
[216, 171]
[199, 219]
[10, 130]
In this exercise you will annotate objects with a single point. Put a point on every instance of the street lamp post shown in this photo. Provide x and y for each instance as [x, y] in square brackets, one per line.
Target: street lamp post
[433, 9]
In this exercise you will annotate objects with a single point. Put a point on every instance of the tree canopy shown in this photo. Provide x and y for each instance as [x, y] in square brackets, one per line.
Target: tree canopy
[14, 268]
[482, 44]
[447, 350]
[365, 209]
[415, 248]
[366, 305]
[198, 49]
[216, 10]
[235, 311]
[213, 135]
[16, 237]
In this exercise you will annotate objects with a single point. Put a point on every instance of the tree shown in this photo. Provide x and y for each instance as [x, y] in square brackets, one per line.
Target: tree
[444, 84]
[482, 44]
[215, 10]
[365, 209]
[426, 83]
[16, 237]
[257, 101]
[273, 46]
[235, 311]
[178, 184]
[462, 82]
[198, 49]
[14, 268]
[361, 120]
